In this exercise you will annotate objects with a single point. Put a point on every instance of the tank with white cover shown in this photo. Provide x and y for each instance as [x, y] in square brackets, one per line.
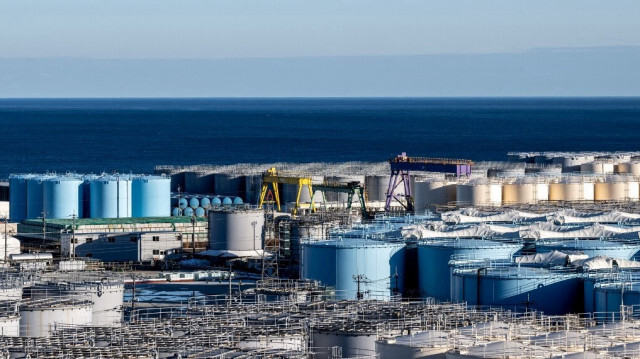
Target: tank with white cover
[236, 229]
[150, 196]
[479, 192]
[571, 189]
[110, 196]
[431, 192]
[341, 264]
[63, 196]
[40, 317]
[434, 257]
[592, 248]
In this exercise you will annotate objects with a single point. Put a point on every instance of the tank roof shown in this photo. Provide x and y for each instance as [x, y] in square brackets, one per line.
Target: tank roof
[107, 221]
[353, 243]
[467, 243]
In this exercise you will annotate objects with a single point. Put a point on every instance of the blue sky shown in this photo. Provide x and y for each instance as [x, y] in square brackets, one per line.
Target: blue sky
[153, 30]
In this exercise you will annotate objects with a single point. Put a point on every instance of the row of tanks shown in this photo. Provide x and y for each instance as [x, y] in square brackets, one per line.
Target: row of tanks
[88, 196]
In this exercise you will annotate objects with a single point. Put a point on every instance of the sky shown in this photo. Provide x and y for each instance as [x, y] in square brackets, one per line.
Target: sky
[236, 30]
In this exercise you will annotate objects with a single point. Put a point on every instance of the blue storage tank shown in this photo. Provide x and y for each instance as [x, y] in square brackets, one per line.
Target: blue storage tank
[237, 200]
[554, 292]
[200, 212]
[227, 201]
[590, 247]
[188, 212]
[433, 261]
[336, 262]
[176, 212]
[151, 196]
[183, 203]
[609, 296]
[205, 202]
[86, 194]
[63, 196]
[35, 196]
[110, 197]
[215, 201]
[194, 202]
[18, 196]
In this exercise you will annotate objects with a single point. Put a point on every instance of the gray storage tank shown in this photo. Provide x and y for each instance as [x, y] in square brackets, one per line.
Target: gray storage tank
[236, 229]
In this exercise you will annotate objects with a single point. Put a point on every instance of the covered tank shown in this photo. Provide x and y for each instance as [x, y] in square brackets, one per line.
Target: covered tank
[151, 196]
[515, 286]
[18, 196]
[430, 193]
[110, 197]
[341, 264]
[63, 196]
[434, 257]
[590, 247]
[236, 229]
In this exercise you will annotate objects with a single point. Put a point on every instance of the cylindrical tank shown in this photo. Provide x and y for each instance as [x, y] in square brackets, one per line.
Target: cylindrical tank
[199, 182]
[431, 193]
[377, 187]
[110, 197]
[598, 167]
[339, 196]
[434, 257]
[9, 319]
[506, 172]
[632, 168]
[176, 212]
[35, 196]
[200, 212]
[428, 344]
[610, 191]
[479, 193]
[535, 288]
[252, 188]
[62, 197]
[183, 203]
[187, 212]
[571, 190]
[353, 344]
[194, 202]
[608, 297]
[205, 202]
[236, 229]
[18, 196]
[237, 201]
[229, 184]
[151, 196]
[40, 317]
[378, 266]
[590, 247]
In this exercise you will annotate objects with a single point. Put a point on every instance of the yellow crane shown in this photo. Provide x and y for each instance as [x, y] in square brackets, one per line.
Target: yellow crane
[272, 177]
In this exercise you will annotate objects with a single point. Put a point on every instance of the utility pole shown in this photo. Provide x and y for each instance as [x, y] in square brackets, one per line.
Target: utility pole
[360, 278]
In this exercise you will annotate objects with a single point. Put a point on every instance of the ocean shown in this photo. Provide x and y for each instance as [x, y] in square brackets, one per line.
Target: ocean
[134, 135]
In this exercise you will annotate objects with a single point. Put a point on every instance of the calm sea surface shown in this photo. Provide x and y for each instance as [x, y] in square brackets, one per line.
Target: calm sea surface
[134, 135]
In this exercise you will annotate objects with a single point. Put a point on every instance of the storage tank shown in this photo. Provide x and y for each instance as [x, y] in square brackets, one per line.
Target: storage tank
[237, 201]
[290, 192]
[176, 212]
[632, 168]
[199, 182]
[62, 197]
[9, 319]
[524, 192]
[215, 201]
[227, 201]
[571, 189]
[236, 229]
[611, 190]
[340, 263]
[18, 196]
[506, 172]
[573, 162]
[200, 212]
[252, 188]
[10, 289]
[608, 297]
[434, 257]
[187, 212]
[194, 202]
[35, 196]
[479, 193]
[352, 344]
[40, 317]
[529, 287]
[301, 229]
[377, 186]
[598, 167]
[590, 247]
[430, 193]
[229, 184]
[205, 202]
[427, 344]
[151, 196]
[183, 203]
[343, 197]
[110, 197]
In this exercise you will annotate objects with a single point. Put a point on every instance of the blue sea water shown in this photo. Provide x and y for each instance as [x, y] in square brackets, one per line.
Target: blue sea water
[134, 135]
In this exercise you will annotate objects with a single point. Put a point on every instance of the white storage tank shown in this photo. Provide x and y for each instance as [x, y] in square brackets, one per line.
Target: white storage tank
[479, 193]
[615, 189]
[40, 317]
[571, 189]
[525, 192]
[431, 192]
[236, 229]
[632, 168]
[9, 319]
[598, 167]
